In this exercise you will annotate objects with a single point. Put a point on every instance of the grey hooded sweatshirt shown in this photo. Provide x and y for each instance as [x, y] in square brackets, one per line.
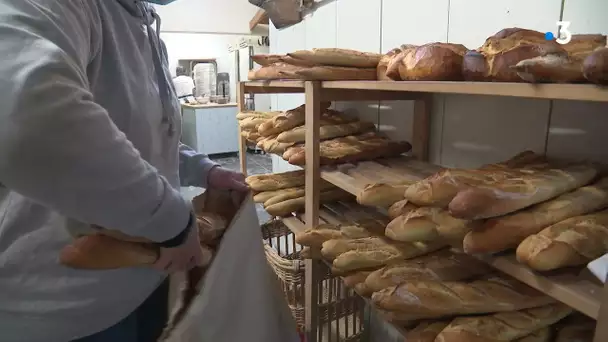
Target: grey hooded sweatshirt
[89, 134]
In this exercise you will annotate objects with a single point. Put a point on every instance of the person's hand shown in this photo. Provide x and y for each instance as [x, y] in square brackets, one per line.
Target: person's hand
[224, 179]
[184, 257]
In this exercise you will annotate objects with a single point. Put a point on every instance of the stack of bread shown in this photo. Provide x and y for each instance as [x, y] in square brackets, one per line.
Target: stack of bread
[282, 194]
[327, 64]
[343, 139]
[510, 55]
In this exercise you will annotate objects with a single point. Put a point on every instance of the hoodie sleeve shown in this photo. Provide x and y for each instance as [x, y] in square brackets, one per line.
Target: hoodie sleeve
[60, 148]
[194, 167]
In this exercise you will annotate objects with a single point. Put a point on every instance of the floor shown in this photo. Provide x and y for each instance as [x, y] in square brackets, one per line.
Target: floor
[256, 164]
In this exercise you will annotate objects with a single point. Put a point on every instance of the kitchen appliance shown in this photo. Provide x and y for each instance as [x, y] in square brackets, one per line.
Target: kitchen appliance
[223, 85]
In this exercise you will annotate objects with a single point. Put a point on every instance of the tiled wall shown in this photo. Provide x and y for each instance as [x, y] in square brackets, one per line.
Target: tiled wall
[466, 130]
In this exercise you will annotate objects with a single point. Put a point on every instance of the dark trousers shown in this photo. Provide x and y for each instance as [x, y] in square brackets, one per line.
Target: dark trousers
[145, 324]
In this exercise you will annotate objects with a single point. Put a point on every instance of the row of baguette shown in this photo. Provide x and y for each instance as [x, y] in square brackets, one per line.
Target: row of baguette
[343, 139]
[510, 55]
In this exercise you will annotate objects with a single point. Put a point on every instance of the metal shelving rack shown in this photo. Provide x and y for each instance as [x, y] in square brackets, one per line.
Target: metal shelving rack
[571, 289]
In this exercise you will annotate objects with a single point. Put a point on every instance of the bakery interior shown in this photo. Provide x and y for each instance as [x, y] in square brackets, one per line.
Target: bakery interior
[424, 171]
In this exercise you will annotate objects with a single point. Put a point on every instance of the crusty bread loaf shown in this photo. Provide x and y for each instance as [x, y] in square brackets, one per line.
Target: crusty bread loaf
[355, 278]
[350, 149]
[542, 335]
[520, 190]
[287, 207]
[429, 224]
[381, 195]
[316, 236]
[373, 252]
[555, 67]
[429, 62]
[505, 232]
[581, 45]
[280, 123]
[336, 73]
[362, 290]
[264, 196]
[276, 181]
[574, 241]
[211, 227]
[384, 62]
[339, 57]
[271, 145]
[265, 60]
[503, 326]
[439, 189]
[425, 331]
[251, 123]
[595, 66]
[400, 208]
[432, 299]
[443, 265]
[298, 134]
[494, 59]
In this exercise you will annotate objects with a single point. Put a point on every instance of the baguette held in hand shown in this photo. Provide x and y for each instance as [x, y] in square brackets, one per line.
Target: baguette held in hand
[572, 242]
[432, 299]
[504, 326]
[514, 193]
[506, 232]
[443, 265]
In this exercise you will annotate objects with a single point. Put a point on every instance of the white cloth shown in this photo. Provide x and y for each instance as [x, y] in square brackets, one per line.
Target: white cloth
[184, 85]
[240, 299]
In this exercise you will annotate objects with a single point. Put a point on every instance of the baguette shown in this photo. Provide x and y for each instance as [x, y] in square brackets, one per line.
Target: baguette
[504, 326]
[362, 290]
[555, 67]
[285, 208]
[381, 195]
[425, 331]
[339, 57]
[514, 193]
[400, 208]
[271, 145]
[384, 62]
[432, 299]
[283, 196]
[297, 135]
[315, 237]
[254, 114]
[572, 242]
[428, 224]
[264, 196]
[265, 60]
[439, 189]
[502, 233]
[275, 71]
[280, 123]
[251, 123]
[378, 252]
[541, 335]
[350, 149]
[276, 181]
[355, 278]
[443, 265]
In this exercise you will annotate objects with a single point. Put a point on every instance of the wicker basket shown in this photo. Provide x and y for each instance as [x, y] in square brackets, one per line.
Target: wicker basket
[341, 311]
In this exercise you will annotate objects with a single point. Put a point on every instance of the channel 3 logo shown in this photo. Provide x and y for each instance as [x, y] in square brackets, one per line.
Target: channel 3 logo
[564, 36]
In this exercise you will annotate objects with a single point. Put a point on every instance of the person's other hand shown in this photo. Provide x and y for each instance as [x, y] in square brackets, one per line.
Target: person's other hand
[184, 257]
[224, 179]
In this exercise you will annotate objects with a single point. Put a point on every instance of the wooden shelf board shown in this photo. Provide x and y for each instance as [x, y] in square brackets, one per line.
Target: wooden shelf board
[582, 92]
[274, 87]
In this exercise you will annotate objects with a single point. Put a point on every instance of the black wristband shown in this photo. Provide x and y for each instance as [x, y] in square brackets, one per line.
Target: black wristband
[179, 238]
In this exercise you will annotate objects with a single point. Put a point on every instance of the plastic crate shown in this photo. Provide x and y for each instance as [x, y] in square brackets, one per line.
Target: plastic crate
[341, 311]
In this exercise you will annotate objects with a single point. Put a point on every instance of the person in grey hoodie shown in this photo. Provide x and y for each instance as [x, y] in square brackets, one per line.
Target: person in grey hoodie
[89, 136]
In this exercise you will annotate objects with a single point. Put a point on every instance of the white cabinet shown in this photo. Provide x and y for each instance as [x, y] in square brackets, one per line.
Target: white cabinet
[210, 129]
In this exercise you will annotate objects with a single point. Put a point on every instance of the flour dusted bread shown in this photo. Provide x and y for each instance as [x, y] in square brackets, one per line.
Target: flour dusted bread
[399, 208]
[328, 131]
[574, 241]
[336, 73]
[439, 189]
[350, 149]
[431, 299]
[443, 265]
[503, 326]
[506, 232]
[494, 59]
[276, 181]
[429, 224]
[525, 188]
[429, 62]
[381, 195]
[338, 57]
[595, 66]
[425, 331]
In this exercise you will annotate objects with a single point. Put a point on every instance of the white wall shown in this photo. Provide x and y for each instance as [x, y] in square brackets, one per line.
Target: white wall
[207, 16]
[466, 130]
